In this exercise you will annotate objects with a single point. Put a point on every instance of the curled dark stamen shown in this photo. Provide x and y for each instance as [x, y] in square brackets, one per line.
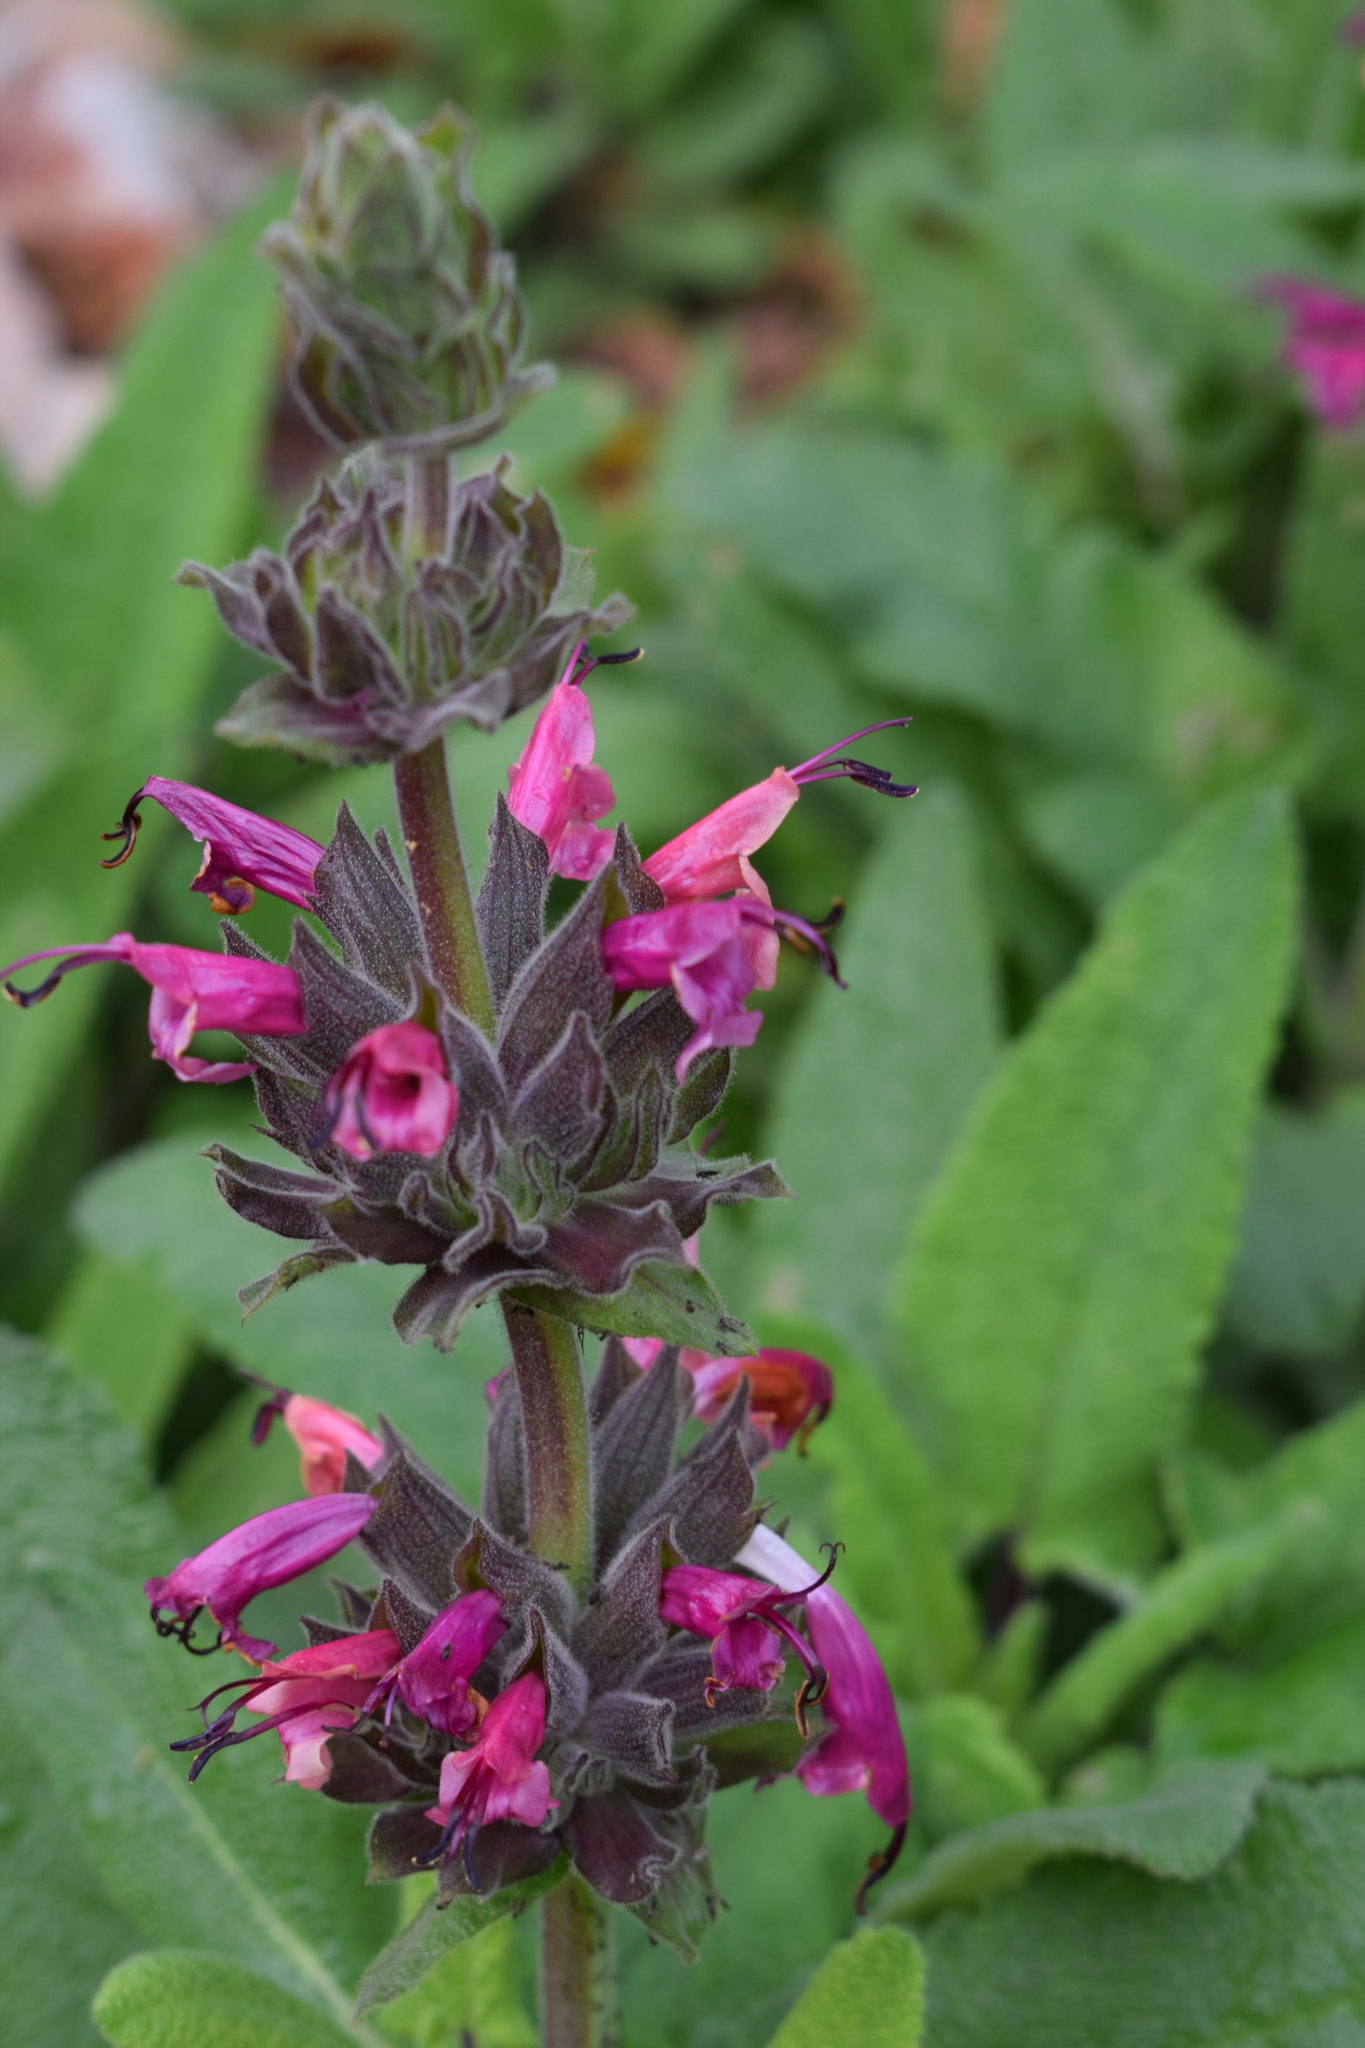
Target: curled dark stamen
[441, 1844]
[814, 1687]
[27, 997]
[878, 1866]
[617, 660]
[182, 1630]
[125, 832]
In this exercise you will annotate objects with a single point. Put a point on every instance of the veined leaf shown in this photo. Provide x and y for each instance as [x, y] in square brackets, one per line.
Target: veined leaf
[1066, 1266]
[177, 1998]
[869, 1990]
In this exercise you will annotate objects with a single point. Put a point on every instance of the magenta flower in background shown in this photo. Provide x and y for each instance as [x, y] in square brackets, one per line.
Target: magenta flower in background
[307, 1697]
[790, 1392]
[391, 1094]
[267, 1551]
[862, 1750]
[1352, 29]
[555, 789]
[497, 1778]
[743, 1620]
[191, 991]
[1325, 346]
[323, 1434]
[432, 1681]
[242, 851]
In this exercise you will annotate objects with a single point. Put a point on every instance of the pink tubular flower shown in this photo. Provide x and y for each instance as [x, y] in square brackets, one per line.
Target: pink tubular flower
[556, 789]
[1325, 346]
[432, 1681]
[267, 1551]
[307, 1696]
[703, 952]
[497, 1778]
[713, 857]
[743, 1621]
[323, 1434]
[191, 991]
[391, 1093]
[698, 949]
[862, 1749]
[242, 852]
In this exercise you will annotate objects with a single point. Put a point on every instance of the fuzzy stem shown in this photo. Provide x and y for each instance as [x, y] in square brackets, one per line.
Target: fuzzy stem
[577, 1978]
[431, 836]
[554, 1410]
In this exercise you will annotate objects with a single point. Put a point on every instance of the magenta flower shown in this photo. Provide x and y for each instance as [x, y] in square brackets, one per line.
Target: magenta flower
[432, 1681]
[497, 1778]
[242, 852]
[1352, 30]
[1325, 346]
[556, 789]
[308, 1697]
[702, 951]
[391, 1093]
[862, 1749]
[323, 1434]
[267, 1551]
[742, 1618]
[191, 991]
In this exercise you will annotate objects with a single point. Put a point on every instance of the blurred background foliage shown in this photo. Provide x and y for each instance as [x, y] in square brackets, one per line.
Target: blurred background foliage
[911, 362]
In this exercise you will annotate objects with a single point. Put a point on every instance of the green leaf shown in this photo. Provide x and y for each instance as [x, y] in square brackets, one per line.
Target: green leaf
[122, 652]
[965, 1770]
[1189, 1822]
[1299, 1282]
[403, 1962]
[475, 1987]
[1299, 1709]
[61, 1930]
[119, 1326]
[885, 1501]
[176, 1998]
[676, 1303]
[879, 1076]
[869, 1990]
[1268, 1952]
[268, 1876]
[1181, 1604]
[1065, 1268]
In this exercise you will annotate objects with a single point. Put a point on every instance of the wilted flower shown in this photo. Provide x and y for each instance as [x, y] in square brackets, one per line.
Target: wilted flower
[242, 852]
[267, 1551]
[191, 991]
[391, 1093]
[789, 1391]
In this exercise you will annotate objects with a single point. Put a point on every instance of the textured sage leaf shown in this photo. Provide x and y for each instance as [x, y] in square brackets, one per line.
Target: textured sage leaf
[477, 1987]
[1184, 1826]
[885, 1502]
[879, 1075]
[123, 653]
[965, 1770]
[1298, 1708]
[175, 1998]
[1268, 1952]
[418, 1947]
[1065, 1268]
[267, 1875]
[869, 1990]
[62, 1932]
[117, 1324]
[1299, 1281]
[1182, 1603]
[677, 1303]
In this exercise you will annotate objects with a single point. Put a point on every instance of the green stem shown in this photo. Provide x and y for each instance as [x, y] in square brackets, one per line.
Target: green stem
[554, 1410]
[577, 1979]
[431, 837]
